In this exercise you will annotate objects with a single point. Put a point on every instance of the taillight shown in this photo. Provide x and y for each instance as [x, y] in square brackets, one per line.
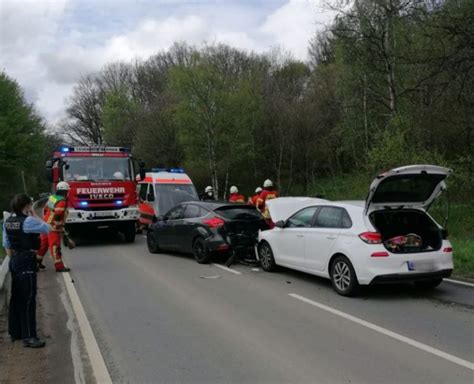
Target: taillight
[448, 250]
[215, 222]
[371, 237]
[379, 254]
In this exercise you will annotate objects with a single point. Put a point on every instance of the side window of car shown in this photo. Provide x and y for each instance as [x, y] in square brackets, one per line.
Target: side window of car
[176, 213]
[143, 191]
[192, 211]
[302, 219]
[346, 219]
[329, 217]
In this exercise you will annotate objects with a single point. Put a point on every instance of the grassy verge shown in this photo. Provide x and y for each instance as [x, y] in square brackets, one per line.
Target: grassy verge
[460, 225]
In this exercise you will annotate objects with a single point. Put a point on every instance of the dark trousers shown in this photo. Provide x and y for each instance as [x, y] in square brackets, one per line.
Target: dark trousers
[22, 308]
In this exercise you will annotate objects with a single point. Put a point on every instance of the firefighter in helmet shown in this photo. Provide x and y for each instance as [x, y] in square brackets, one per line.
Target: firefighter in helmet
[253, 199]
[55, 214]
[269, 192]
[235, 196]
[208, 194]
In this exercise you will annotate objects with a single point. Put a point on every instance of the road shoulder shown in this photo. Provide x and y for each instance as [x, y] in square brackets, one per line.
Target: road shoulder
[54, 363]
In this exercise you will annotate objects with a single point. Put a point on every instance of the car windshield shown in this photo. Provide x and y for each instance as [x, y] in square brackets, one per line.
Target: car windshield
[97, 168]
[170, 195]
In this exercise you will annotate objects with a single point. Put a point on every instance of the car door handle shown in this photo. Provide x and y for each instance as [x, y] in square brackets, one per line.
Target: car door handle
[330, 237]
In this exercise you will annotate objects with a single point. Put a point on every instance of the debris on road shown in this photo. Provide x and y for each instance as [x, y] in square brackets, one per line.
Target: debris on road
[210, 277]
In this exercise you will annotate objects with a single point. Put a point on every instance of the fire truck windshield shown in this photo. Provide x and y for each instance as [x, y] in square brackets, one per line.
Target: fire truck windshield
[97, 169]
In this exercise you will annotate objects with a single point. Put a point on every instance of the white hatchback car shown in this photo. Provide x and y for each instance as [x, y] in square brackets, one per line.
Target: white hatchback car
[390, 237]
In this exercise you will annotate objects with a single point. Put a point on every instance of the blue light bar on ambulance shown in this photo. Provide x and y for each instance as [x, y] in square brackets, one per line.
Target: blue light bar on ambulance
[66, 149]
[83, 203]
[170, 170]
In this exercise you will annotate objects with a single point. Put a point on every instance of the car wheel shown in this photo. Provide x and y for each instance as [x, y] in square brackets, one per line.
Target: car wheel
[151, 243]
[428, 284]
[265, 255]
[200, 251]
[343, 277]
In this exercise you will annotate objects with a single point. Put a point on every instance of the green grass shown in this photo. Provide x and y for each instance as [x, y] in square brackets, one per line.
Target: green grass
[460, 224]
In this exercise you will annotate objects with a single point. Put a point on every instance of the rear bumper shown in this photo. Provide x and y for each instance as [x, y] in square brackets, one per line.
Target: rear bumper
[407, 277]
[220, 244]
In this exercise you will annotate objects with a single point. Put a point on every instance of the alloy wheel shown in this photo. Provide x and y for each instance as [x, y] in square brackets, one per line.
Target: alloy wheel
[265, 256]
[342, 275]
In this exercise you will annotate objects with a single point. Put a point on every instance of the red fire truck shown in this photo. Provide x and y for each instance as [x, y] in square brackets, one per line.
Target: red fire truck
[103, 187]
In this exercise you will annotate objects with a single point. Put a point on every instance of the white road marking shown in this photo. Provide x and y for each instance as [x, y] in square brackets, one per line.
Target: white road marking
[459, 282]
[95, 356]
[227, 269]
[386, 332]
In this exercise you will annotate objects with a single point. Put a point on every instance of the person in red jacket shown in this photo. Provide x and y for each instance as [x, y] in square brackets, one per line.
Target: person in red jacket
[254, 199]
[235, 197]
[268, 193]
[55, 214]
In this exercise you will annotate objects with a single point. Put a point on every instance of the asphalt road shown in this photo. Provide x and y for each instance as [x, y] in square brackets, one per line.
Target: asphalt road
[158, 320]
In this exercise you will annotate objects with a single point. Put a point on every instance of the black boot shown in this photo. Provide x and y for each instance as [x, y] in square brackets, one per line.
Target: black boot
[33, 342]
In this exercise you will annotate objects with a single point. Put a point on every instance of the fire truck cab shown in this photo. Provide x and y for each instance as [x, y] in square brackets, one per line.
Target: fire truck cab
[163, 189]
[103, 187]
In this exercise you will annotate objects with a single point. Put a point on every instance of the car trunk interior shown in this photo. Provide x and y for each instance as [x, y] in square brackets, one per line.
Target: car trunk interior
[405, 231]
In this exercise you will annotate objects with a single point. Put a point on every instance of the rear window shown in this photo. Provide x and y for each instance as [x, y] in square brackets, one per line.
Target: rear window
[239, 213]
[406, 188]
[170, 195]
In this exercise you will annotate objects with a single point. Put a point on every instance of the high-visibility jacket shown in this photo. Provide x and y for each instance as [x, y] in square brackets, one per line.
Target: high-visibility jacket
[55, 212]
[262, 199]
[236, 198]
[254, 199]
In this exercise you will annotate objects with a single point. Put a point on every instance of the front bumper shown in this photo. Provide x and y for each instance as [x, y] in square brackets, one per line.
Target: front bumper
[407, 277]
[77, 216]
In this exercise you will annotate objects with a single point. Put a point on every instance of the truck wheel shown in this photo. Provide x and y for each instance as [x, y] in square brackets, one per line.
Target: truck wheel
[129, 231]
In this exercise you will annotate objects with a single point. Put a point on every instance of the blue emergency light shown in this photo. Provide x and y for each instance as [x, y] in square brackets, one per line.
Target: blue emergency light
[170, 170]
[118, 202]
[83, 203]
[65, 149]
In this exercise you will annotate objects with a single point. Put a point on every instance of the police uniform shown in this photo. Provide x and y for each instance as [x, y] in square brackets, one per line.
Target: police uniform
[20, 234]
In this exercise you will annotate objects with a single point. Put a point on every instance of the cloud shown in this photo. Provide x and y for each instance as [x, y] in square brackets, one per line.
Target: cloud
[294, 24]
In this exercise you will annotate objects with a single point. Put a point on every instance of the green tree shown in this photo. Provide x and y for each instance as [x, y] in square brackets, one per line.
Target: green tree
[22, 143]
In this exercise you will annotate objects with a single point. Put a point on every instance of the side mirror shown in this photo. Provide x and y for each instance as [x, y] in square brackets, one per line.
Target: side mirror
[280, 224]
[49, 170]
[160, 218]
[150, 197]
[141, 170]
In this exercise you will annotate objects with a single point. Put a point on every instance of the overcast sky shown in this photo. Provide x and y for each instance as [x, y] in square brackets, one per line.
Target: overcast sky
[46, 45]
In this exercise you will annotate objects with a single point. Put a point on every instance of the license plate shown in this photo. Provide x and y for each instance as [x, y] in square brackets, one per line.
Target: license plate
[421, 266]
[103, 214]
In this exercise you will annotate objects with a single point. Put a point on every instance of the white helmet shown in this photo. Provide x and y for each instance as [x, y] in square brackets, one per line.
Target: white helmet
[63, 186]
[267, 183]
[234, 189]
[258, 190]
[208, 189]
[118, 175]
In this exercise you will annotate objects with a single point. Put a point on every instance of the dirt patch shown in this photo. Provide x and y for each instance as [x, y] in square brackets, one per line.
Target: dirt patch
[52, 364]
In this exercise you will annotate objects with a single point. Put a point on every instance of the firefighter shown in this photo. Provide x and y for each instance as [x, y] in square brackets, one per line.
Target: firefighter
[254, 198]
[21, 239]
[268, 193]
[55, 213]
[235, 196]
[208, 194]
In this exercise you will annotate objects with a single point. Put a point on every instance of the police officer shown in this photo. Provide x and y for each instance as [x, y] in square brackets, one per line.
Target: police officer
[21, 239]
